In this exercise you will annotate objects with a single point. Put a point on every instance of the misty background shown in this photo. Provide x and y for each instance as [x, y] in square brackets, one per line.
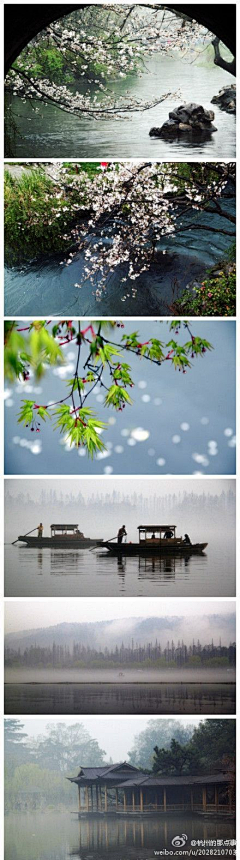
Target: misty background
[108, 623]
[100, 506]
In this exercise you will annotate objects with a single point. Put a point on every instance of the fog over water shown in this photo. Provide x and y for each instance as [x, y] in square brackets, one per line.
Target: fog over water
[206, 511]
[115, 676]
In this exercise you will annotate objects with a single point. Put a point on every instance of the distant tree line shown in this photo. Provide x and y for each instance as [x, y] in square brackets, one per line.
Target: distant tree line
[150, 654]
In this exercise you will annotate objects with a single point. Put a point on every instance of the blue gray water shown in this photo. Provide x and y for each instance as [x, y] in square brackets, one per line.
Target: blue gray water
[84, 573]
[178, 424]
[46, 287]
[51, 133]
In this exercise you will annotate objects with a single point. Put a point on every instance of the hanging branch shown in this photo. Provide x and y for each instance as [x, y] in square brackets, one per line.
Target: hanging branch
[76, 420]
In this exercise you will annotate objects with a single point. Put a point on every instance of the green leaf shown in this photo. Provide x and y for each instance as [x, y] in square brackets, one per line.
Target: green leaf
[26, 412]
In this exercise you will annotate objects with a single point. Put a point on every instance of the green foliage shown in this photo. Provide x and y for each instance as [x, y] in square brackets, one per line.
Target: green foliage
[91, 168]
[159, 732]
[42, 348]
[209, 745]
[38, 350]
[81, 428]
[37, 215]
[215, 297]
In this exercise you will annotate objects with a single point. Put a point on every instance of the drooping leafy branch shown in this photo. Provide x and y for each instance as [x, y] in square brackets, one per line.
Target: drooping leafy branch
[31, 349]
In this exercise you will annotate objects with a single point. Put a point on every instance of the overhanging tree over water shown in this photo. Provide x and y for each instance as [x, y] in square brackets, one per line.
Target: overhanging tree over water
[97, 45]
[122, 213]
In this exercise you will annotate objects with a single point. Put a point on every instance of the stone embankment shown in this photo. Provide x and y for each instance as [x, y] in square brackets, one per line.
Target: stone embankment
[191, 120]
[226, 99]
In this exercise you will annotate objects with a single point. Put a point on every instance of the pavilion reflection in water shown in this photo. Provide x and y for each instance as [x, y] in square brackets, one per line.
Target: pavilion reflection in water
[110, 835]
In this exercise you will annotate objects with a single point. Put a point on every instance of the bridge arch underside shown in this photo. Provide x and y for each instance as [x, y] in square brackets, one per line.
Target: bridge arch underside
[24, 22]
[99, 798]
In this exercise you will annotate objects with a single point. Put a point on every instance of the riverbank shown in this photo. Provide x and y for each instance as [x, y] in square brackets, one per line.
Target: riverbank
[214, 295]
[41, 211]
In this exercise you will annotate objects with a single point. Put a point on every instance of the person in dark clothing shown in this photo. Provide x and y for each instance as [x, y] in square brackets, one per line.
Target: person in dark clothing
[121, 533]
[168, 534]
[187, 540]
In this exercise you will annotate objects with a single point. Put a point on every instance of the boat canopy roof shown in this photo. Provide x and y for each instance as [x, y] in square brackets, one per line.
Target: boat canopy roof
[62, 527]
[156, 528]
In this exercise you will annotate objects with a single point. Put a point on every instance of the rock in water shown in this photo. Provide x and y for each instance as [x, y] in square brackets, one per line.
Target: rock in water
[226, 99]
[191, 119]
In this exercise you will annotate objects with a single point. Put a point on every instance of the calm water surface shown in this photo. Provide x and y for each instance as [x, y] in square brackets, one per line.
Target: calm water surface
[59, 836]
[45, 286]
[51, 572]
[106, 692]
[53, 134]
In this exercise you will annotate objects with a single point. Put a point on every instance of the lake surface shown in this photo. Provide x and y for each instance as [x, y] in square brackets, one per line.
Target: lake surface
[106, 691]
[45, 286]
[56, 835]
[169, 429]
[52, 133]
[51, 572]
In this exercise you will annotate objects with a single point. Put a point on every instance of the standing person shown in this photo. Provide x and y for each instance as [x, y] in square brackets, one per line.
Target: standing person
[40, 530]
[121, 533]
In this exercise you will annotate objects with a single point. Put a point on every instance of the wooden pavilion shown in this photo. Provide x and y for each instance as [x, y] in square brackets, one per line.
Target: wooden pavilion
[124, 789]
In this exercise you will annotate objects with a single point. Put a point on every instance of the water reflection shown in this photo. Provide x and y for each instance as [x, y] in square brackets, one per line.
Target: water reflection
[120, 698]
[111, 835]
[31, 572]
[55, 835]
[166, 568]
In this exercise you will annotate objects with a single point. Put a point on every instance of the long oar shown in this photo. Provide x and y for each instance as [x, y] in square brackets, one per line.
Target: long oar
[97, 545]
[27, 533]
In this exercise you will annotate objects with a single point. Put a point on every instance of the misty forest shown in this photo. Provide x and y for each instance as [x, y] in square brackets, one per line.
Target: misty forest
[152, 655]
[132, 237]
[44, 761]
[103, 78]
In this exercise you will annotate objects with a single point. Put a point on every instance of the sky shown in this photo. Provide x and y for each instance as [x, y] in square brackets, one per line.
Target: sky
[114, 735]
[33, 614]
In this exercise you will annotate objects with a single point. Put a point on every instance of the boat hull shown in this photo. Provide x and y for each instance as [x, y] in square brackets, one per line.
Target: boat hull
[60, 543]
[151, 549]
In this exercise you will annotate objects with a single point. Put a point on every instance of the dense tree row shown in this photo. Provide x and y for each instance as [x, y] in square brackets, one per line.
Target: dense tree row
[149, 654]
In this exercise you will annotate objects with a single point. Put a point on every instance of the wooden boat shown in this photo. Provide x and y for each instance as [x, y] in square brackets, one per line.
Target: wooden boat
[62, 537]
[156, 540]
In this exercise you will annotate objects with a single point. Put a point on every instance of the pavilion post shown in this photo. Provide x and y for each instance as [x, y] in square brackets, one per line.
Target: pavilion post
[141, 800]
[79, 799]
[87, 798]
[204, 798]
[192, 803]
[124, 801]
[105, 798]
[165, 800]
[116, 792]
[216, 797]
[133, 800]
